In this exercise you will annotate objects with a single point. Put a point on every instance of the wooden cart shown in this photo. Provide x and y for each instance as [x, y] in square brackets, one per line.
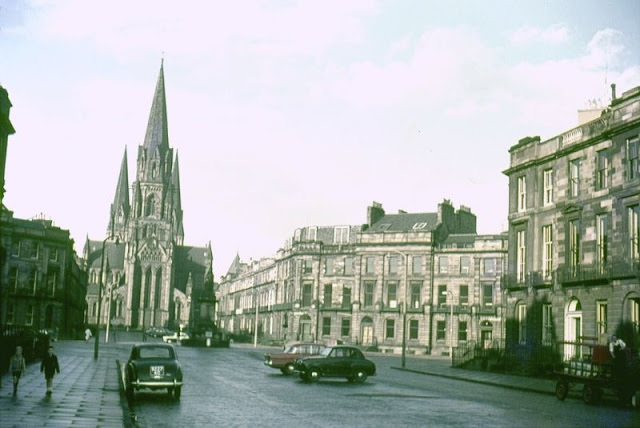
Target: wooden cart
[590, 365]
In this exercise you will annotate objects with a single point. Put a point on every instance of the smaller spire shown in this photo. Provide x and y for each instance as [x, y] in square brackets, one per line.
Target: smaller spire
[120, 200]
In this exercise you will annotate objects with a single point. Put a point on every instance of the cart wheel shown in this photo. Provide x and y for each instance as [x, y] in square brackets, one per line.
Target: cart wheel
[591, 394]
[562, 389]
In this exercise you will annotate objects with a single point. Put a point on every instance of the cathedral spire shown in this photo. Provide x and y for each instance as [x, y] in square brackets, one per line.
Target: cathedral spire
[157, 131]
[120, 207]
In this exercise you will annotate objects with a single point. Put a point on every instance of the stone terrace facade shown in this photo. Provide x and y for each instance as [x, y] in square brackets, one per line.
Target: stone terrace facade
[374, 285]
[574, 209]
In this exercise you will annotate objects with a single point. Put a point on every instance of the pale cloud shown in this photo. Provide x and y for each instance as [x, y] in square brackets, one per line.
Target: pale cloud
[554, 34]
[127, 28]
[605, 49]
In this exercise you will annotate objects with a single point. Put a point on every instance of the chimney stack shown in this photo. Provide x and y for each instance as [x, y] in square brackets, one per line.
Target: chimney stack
[613, 92]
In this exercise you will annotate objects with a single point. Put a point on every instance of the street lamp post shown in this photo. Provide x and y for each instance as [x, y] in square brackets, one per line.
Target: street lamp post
[404, 308]
[96, 345]
[106, 335]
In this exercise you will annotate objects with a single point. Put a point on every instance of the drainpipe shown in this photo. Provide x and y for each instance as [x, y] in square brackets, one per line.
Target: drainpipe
[318, 298]
[431, 280]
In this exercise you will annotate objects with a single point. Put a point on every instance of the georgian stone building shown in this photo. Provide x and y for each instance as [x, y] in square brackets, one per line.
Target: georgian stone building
[574, 227]
[41, 284]
[393, 281]
[149, 277]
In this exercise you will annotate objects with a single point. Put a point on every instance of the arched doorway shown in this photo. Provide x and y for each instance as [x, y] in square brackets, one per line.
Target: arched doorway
[573, 328]
[305, 328]
[366, 332]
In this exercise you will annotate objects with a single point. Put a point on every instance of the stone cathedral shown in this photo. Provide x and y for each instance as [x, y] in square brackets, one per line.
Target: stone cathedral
[148, 276]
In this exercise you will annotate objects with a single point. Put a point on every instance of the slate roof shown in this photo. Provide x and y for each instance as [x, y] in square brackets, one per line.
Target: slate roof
[405, 222]
[114, 254]
[190, 260]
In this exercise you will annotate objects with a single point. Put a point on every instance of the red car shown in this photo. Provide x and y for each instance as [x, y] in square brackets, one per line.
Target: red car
[284, 360]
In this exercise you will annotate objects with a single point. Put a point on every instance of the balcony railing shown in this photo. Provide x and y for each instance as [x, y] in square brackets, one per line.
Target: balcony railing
[528, 279]
[569, 275]
[598, 273]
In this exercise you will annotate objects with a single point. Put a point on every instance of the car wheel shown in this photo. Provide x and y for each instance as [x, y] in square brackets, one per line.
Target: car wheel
[288, 370]
[130, 391]
[359, 376]
[562, 389]
[314, 375]
[590, 394]
[177, 392]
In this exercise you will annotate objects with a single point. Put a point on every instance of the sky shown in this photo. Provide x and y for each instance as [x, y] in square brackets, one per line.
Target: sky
[287, 114]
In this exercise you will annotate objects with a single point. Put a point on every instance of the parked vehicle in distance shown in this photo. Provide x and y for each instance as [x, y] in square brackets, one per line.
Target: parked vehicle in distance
[336, 361]
[284, 360]
[153, 366]
[158, 332]
[174, 337]
[210, 336]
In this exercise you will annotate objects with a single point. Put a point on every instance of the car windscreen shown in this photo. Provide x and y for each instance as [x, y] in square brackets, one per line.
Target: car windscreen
[325, 352]
[155, 352]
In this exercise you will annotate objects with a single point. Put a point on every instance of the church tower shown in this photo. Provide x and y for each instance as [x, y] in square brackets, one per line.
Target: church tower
[154, 226]
[149, 277]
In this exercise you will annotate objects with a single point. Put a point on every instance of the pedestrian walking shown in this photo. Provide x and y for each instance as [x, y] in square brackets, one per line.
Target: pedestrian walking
[50, 367]
[87, 334]
[17, 367]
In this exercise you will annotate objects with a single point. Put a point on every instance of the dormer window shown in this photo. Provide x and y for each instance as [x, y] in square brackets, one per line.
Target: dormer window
[420, 225]
[341, 235]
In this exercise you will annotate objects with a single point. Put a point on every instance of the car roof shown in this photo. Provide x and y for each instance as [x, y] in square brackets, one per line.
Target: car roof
[153, 345]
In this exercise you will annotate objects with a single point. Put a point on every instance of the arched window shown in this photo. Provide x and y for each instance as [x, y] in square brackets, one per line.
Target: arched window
[147, 288]
[158, 289]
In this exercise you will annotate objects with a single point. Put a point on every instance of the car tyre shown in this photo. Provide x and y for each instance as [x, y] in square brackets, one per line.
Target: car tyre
[314, 375]
[130, 392]
[288, 370]
[562, 389]
[177, 392]
[359, 376]
[590, 394]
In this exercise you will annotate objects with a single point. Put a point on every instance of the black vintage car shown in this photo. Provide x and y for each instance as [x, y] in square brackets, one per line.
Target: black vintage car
[336, 361]
[153, 366]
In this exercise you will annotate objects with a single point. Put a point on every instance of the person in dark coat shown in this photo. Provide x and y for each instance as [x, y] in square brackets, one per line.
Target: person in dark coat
[50, 367]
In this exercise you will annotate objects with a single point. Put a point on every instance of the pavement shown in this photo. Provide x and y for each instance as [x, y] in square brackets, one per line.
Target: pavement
[88, 392]
[441, 366]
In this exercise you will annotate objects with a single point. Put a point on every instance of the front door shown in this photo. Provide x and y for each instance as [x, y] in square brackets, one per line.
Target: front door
[573, 330]
[305, 331]
[486, 338]
[367, 334]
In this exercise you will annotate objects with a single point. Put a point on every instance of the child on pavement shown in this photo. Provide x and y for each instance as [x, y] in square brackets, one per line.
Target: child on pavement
[17, 366]
[50, 367]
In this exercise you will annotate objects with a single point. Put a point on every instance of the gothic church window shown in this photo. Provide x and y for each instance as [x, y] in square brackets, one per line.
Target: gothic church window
[150, 206]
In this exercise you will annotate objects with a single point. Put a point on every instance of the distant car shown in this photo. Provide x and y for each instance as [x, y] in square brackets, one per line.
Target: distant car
[336, 361]
[158, 332]
[153, 366]
[174, 337]
[284, 360]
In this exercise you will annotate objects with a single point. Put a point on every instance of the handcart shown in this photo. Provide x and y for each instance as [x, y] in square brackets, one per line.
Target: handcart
[590, 365]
